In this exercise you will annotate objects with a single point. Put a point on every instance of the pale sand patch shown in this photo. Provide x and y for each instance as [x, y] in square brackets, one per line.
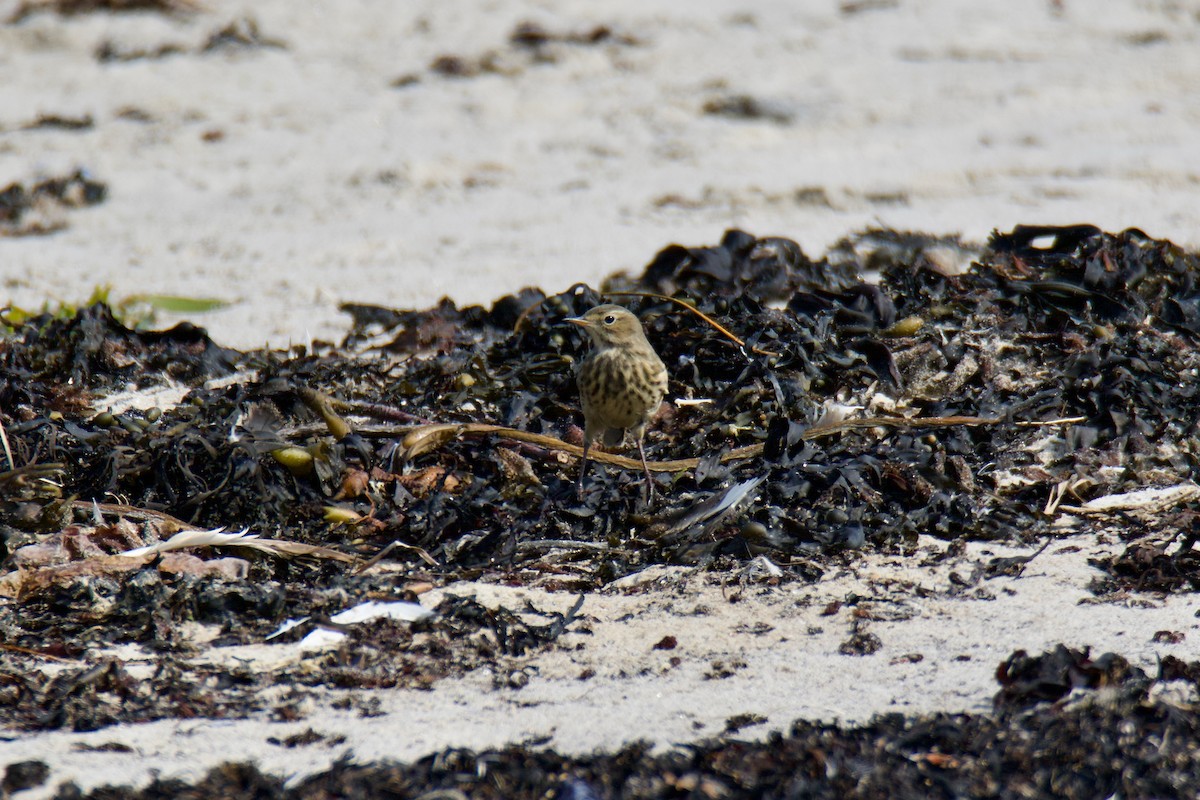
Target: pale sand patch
[327, 184]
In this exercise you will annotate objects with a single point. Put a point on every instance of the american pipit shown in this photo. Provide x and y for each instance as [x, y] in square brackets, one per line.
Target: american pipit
[621, 382]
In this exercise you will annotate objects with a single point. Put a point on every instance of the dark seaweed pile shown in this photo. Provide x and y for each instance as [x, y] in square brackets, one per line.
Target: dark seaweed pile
[1128, 742]
[1061, 364]
[384, 654]
[1048, 324]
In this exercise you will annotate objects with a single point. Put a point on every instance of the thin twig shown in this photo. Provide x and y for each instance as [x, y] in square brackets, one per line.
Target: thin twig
[450, 431]
[16, 648]
[1013, 566]
[131, 512]
[418, 439]
[7, 450]
[654, 295]
[545, 545]
[820, 430]
[382, 411]
[44, 473]
[375, 559]
[1037, 423]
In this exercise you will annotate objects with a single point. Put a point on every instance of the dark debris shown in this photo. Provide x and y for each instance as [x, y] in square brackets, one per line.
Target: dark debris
[1148, 567]
[69, 8]
[748, 107]
[22, 775]
[241, 34]
[464, 636]
[38, 209]
[1028, 680]
[1045, 325]
[63, 122]
[529, 44]
[1093, 327]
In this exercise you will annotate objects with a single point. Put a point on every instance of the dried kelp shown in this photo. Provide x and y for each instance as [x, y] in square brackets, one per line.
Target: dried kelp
[1148, 567]
[1028, 680]
[1033, 390]
[1052, 361]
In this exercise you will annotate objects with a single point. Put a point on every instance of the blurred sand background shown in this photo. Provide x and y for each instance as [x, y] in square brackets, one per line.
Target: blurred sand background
[288, 179]
[338, 166]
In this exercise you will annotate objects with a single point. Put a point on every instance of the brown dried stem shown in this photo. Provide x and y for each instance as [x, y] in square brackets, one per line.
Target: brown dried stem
[419, 439]
[724, 331]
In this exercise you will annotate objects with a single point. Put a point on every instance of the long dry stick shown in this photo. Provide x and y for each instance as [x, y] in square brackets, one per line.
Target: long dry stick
[436, 435]
[423, 438]
[29, 651]
[725, 331]
[823, 429]
[7, 450]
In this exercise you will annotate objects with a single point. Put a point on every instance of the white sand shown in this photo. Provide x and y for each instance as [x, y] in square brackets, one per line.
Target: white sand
[327, 185]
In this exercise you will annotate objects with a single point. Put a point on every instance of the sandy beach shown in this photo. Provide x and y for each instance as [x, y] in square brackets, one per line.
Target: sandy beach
[395, 154]
[290, 176]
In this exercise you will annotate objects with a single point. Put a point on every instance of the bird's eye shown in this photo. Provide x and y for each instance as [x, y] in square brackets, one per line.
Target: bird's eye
[610, 319]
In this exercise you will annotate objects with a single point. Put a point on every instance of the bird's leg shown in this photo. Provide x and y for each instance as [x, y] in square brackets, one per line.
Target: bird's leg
[646, 469]
[582, 469]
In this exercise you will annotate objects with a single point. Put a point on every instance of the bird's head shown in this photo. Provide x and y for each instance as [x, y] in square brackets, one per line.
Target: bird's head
[611, 326]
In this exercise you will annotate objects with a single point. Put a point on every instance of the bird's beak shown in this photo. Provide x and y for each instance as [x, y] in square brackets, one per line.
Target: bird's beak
[580, 321]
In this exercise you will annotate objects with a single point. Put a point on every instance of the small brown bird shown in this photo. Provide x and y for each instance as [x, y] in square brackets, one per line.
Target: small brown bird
[621, 382]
